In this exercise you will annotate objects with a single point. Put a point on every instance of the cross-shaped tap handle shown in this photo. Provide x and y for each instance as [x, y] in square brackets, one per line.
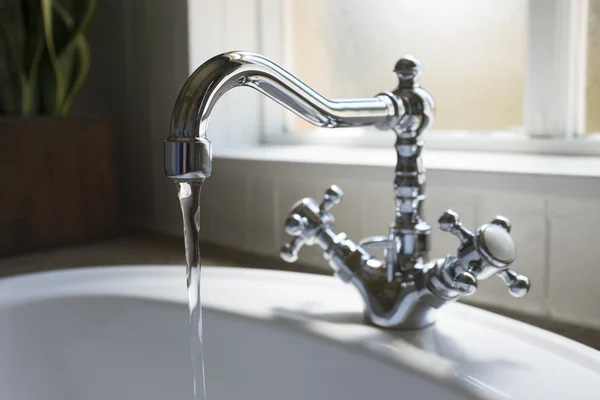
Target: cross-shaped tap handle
[518, 285]
[289, 251]
[450, 222]
[308, 221]
[333, 196]
[489, 251]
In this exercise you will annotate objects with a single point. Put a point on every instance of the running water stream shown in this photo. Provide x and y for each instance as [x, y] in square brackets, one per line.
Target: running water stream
[189, 199]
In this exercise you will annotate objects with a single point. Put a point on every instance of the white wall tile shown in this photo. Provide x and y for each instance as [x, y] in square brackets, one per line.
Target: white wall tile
[223, 210]
[377, 208]
[574, 273]
[260, 223]
[209, 208]
[528, 217]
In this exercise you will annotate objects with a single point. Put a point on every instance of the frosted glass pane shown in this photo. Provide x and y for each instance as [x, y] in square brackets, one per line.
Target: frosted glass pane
[593, 69]
[473, 52]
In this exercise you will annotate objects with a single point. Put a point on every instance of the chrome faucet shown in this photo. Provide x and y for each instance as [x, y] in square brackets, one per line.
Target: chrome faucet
[404, 290]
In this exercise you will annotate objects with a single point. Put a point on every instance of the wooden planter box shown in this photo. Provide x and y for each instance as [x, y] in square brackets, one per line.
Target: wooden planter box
[57, 182]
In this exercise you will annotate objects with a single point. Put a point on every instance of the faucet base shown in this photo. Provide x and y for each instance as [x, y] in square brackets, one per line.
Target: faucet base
[423, 317]
[403, 303]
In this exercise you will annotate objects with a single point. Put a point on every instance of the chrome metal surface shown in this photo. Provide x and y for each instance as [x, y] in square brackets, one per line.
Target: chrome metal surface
[409, 184]
[489, 251]
[403, 290]
[191, 113]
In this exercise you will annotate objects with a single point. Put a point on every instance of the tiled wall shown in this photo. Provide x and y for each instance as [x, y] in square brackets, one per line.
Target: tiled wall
[555, 222]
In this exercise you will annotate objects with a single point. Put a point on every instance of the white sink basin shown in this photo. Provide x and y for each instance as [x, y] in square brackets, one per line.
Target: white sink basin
[122, 333]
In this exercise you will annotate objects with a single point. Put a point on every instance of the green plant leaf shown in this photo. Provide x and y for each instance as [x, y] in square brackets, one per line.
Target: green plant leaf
[44, 57]
[83, 12]
[34, 47]
[9, 79]
[12, 39]
[60, 79]
[12, 25]
[83, 50]
[9, 95]
[77, 45]
[34, 40]
[46, 86]
[65, 42]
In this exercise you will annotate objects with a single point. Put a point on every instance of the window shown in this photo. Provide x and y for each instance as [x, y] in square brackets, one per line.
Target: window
[461, 43]
[502, 70]
[593, 69]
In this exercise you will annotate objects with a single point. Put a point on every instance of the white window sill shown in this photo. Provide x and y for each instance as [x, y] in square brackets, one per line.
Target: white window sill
[451, 160]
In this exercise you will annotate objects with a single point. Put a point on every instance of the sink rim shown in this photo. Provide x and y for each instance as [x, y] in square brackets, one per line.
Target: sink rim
[398, 347]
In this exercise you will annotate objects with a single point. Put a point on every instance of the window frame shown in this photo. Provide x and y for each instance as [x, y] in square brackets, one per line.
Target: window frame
[554, 91]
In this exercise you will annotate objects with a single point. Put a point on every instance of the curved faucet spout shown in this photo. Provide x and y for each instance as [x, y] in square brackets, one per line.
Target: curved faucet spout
[187, 150]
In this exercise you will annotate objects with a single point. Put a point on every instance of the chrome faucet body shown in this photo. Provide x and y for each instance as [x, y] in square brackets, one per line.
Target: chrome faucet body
[403, 290]
[187, 149]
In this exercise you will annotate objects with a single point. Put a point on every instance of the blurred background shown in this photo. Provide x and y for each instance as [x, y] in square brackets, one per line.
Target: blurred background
[88, 88]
